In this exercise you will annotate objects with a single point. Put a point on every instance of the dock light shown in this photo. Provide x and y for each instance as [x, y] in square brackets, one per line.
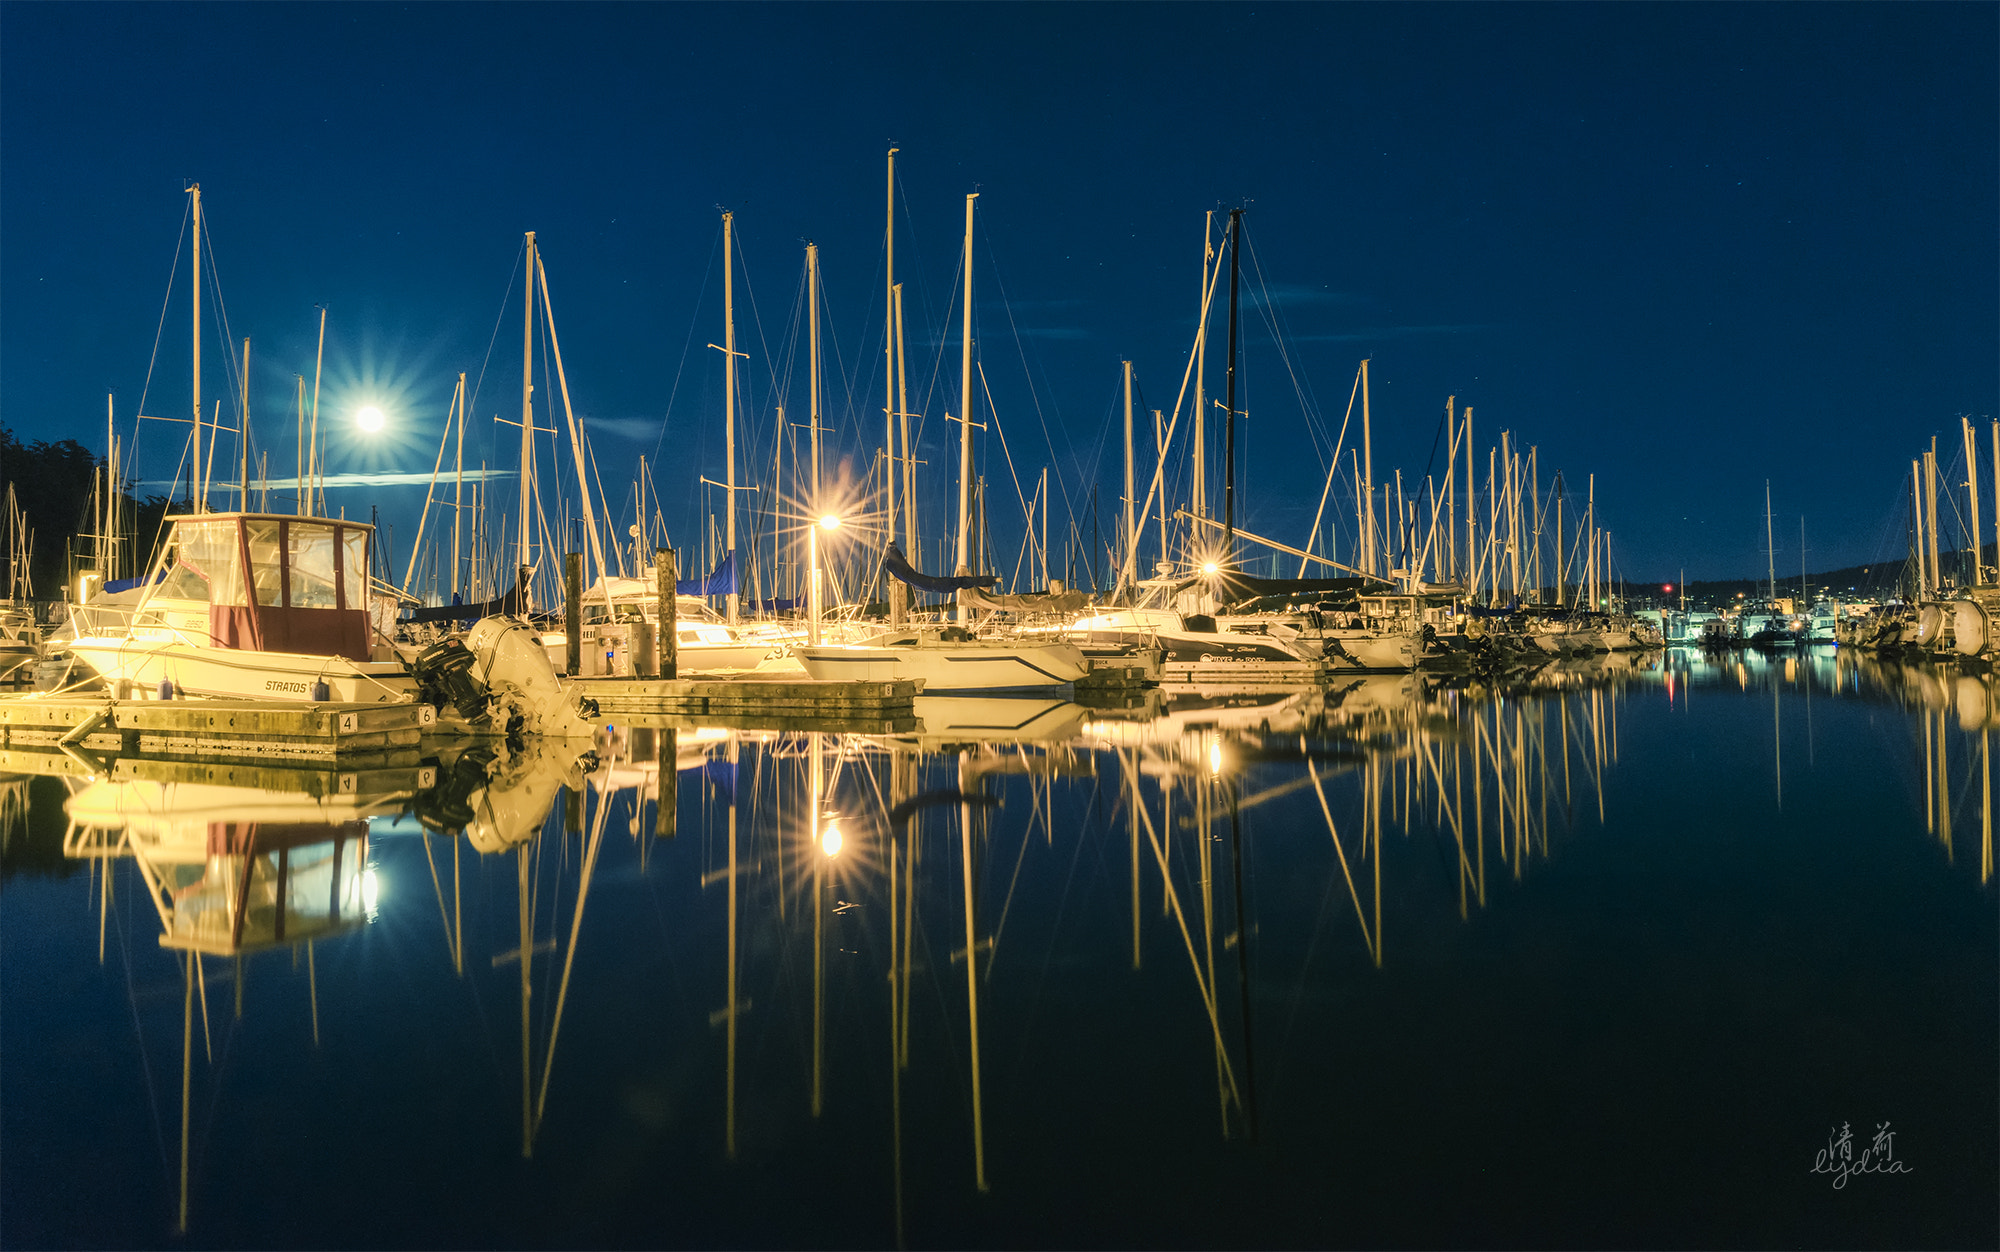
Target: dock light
[1210, 567]
[369, 418]
[830, 841]
[829, 521]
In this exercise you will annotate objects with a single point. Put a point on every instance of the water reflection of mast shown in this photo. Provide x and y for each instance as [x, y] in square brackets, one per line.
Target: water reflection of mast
[1203, 971]
[965, 780]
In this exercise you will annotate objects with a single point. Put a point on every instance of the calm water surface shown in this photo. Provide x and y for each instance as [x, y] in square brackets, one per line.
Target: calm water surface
[1610, 956]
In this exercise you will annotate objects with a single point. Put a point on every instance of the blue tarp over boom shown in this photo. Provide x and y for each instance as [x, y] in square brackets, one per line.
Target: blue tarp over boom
[720, 583]
[896, 563]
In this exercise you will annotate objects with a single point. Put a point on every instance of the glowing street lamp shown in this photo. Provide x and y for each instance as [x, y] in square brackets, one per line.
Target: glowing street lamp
[369, 418]
[828, 522]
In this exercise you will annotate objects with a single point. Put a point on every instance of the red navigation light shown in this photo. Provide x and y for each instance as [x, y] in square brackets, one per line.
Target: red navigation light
[1667, 587]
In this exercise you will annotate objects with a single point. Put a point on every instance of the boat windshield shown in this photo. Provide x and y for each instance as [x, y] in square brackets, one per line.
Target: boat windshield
[311, 557]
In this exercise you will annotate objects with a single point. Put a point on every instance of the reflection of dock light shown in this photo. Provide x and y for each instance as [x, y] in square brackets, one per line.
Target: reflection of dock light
[830, 841]
[1215, 757]
[371, 889]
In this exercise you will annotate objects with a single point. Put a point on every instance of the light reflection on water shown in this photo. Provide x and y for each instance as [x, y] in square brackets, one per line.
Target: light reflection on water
[1391, 961]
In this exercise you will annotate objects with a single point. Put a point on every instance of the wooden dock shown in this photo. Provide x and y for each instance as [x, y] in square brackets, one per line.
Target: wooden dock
[212, 729]
[752, 701]
[404, 772]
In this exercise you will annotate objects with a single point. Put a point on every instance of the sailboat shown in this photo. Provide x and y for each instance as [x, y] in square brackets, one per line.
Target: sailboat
[949, 658]
[20, 636]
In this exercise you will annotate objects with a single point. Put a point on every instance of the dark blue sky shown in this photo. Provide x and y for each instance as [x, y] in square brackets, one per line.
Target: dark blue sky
[1684, 247]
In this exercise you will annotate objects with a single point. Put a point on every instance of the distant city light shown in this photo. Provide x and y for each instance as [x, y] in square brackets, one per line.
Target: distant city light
[369, 418]
[1668, 587]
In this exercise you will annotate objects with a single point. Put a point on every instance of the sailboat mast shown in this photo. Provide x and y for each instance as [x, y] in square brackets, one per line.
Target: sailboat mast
[1229, 403]
[889, 406]
[107, 513]
[812, 387]
[1931, 515]
[1368, 540]
[1917, 529]
[965, 413]
[729, 400]
[521, 560]
[1131, 527]
[194, 488]
[315, 472]
[903, 417]
[1770, 548]
[458, 486]
[1200, 491]
[1562, 548]
[1971, 493]
[1471, 511]
[243, 430]
[1592, 531]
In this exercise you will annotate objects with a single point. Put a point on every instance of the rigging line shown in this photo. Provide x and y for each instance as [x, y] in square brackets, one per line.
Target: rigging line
[687, 344]
[993, 262]
[1273, 315]
[618, 549]
[234, 368]
[498, 318]
[942, 337]
[173, 272]
[1187, 375]
[1001, 431]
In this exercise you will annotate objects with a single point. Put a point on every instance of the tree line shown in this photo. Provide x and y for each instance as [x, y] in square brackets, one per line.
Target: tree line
[52, 482]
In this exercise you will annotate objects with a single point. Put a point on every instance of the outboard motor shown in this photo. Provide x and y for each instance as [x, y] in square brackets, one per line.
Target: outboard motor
[444, 677]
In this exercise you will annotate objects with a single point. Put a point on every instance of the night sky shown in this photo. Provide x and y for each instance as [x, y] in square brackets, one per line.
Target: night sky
[1686, 248]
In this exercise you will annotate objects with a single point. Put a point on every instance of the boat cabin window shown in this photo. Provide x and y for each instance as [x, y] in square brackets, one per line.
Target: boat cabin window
[182, 582]
[356, 543]
[311, 560]
[267, 567]
[300, 563]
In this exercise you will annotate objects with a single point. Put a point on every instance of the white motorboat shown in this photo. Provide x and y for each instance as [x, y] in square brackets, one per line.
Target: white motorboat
[947, 660]
[275, 607]
[615, 609]
[251, 605]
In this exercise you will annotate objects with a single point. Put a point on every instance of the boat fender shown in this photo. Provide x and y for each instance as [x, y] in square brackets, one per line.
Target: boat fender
[1971, 631]
[166, 689]
[321, 693]
[1930, 622]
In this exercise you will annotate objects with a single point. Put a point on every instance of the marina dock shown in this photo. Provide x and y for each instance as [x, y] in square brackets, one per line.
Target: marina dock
[212, 729]
[749, 696]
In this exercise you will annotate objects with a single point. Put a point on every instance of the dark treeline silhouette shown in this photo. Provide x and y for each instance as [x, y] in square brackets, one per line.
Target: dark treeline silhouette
[52, 482]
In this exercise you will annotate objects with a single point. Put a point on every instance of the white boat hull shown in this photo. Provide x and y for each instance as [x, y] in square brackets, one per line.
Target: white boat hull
[975, 665]
[203, 671]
